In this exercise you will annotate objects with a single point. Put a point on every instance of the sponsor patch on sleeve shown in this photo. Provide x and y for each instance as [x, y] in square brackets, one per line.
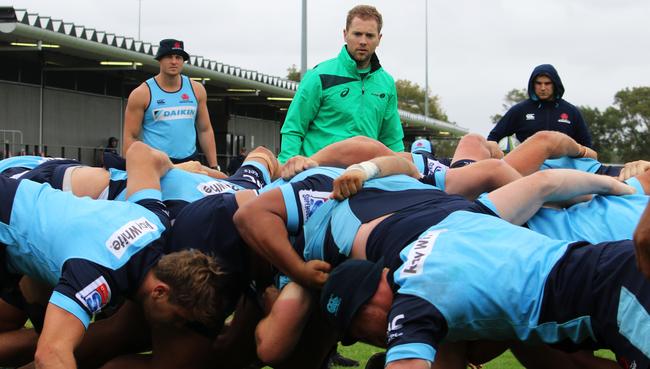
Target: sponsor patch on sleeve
[310, 201]
[128, 234]
[95, 296]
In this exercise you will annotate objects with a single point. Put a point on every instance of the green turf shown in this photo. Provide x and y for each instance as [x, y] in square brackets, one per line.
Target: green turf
[362, 352]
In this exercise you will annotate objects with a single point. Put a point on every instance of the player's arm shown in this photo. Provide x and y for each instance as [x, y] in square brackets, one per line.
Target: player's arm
[504, 126]
[352, 180]
[530, 154]
[516, 202]
[134, 115]
[62, 332]
[339, 154]
[303, 109]
[262, 225]
[278, 333]
[203, 125]
[642, 243]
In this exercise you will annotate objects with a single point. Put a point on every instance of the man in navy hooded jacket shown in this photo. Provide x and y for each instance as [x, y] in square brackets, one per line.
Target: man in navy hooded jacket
[543, 110]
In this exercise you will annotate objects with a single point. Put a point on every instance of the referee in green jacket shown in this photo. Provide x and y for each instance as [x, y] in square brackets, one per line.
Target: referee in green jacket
[350, 95]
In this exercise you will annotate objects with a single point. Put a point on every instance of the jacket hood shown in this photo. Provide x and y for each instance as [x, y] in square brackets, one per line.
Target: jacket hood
[549, 71]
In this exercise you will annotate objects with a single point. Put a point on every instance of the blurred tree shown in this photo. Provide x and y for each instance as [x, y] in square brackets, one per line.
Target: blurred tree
[410, 97]
[293, 73]
[513, 97]
[621, 132]
[606, 132]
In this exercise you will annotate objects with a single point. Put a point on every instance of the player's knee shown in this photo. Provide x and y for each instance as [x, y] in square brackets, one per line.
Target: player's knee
[473, 139]
[547, 181]
[137, 149]
[269, 158]
[262, 150]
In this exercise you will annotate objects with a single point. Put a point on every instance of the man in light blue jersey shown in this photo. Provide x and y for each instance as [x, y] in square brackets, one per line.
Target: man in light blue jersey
[168, 110]
[95, 253]
[455, 278]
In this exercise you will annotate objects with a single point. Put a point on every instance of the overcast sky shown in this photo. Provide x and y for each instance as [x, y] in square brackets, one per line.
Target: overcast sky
[478, 49]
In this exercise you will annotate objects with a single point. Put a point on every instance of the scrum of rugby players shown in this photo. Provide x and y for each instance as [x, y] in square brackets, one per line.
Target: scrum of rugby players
[441, 265]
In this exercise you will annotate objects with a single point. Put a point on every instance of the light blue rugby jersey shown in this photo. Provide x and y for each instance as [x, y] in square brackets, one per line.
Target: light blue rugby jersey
[303, 197]
[485, 276]
[428, 167]
[169, 120]
[179, 184]
[342, 219]
[603, 218]
[48, 227]
[331, 172]
[583, 164]
[25, 161]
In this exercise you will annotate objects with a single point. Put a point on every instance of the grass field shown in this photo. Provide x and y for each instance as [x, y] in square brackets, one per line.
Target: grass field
[362, 352]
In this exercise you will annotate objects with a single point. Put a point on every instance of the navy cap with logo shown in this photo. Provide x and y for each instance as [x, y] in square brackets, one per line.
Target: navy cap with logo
[169, 46]
[349, 286]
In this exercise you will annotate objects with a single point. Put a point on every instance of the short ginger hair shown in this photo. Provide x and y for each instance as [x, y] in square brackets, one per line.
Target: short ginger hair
[364, 12]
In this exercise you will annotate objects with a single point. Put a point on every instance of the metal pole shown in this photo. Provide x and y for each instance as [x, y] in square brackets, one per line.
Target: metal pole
[139, 17]
[303, 41]
[426, 58]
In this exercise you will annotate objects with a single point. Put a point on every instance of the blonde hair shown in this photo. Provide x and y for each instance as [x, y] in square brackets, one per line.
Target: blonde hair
[364, 12]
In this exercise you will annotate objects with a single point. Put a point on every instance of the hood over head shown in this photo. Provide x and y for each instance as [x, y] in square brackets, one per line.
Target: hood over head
[549, 71]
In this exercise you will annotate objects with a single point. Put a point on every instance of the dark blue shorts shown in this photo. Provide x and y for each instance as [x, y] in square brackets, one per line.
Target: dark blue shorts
[249, 177]
[610, 170]
[51, 171]
[602, 282]
[15, 171]
[461, 163]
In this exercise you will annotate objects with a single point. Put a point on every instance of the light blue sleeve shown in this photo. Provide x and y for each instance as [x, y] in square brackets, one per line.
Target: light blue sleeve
[411, 351]
[69, 305]
[147, 193]
[291, 206]
[634, 182]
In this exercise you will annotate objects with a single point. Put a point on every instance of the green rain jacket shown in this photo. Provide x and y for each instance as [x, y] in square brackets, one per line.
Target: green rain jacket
[335, 102]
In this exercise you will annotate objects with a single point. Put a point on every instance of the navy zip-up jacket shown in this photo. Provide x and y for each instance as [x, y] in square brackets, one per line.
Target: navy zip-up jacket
[533, 115]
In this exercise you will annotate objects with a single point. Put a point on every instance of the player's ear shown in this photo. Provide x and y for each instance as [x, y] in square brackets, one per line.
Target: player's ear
[160, 291]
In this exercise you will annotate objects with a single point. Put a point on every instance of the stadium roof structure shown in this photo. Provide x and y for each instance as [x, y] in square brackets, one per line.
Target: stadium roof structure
[75, 47]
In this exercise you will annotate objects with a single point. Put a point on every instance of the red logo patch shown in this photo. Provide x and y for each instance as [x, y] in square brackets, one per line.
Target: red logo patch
[419, 144]
[185, 97]
[564, 116]
[177, 45]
